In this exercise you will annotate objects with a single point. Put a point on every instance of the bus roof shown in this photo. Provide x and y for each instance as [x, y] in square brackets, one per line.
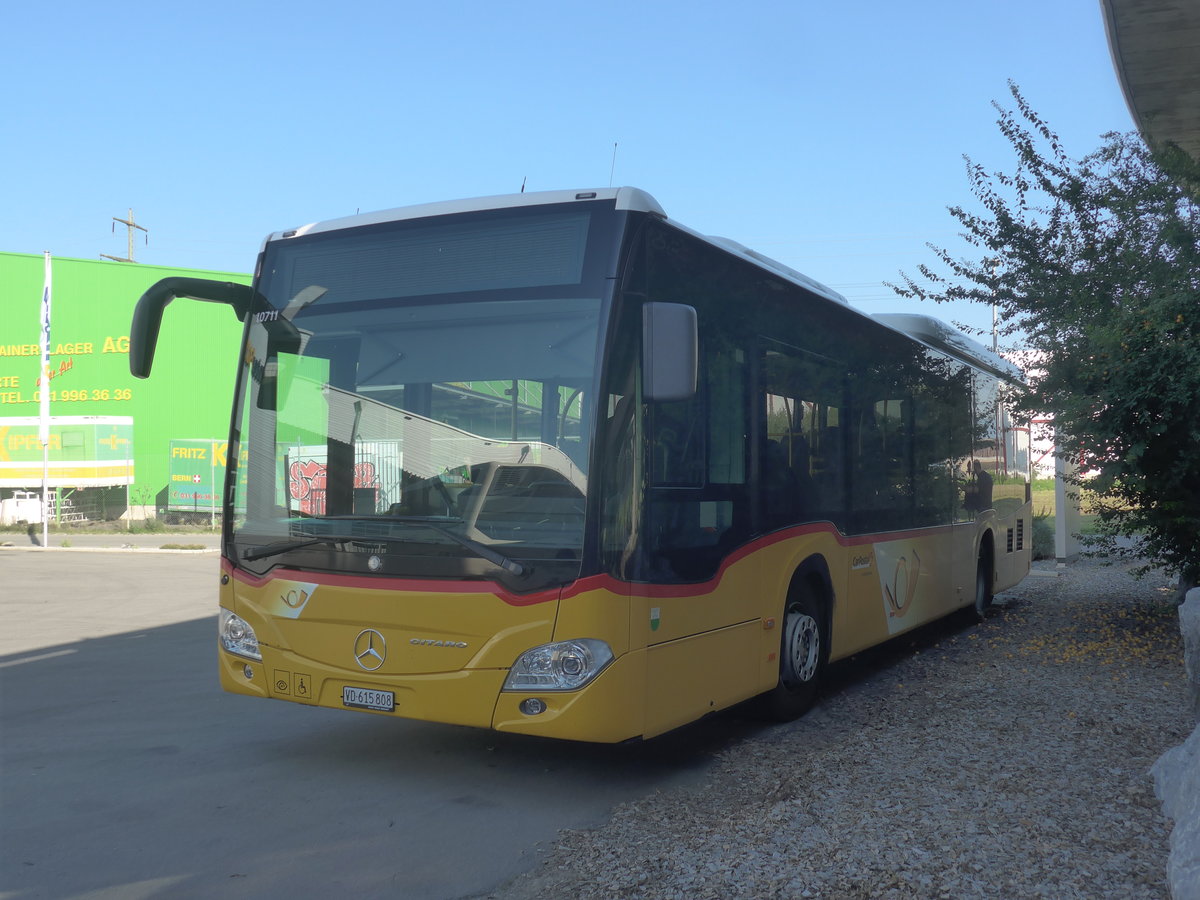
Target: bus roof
[940, 336]
[925, 329]
[775, 265]
[625, 197]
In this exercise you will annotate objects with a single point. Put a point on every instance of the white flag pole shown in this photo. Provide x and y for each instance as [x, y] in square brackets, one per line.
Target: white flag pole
[44, 423]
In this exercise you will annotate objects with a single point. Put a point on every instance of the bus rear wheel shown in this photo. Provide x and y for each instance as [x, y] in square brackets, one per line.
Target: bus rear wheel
[802, 655]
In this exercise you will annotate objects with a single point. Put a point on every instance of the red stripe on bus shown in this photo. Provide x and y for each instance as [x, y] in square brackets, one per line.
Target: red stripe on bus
[583, 585]
[410, 585]
[696, 589]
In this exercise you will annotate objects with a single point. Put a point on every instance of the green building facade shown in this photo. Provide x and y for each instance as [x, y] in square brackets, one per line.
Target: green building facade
[187, 397]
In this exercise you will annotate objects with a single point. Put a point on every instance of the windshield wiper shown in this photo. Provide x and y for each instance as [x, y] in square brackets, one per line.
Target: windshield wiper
[483, 551]
[284, 546]
[479, 549]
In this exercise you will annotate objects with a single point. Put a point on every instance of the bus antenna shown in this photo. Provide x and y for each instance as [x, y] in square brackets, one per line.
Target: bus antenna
[613, 168]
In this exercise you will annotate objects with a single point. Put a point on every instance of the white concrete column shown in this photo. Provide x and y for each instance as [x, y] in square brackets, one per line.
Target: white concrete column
[1067, 517]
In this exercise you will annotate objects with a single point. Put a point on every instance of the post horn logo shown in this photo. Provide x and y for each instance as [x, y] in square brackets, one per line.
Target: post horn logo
[370, 649]
[904, 585]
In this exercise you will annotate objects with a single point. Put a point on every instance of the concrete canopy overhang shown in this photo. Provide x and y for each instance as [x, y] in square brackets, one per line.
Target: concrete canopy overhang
[1155, 47]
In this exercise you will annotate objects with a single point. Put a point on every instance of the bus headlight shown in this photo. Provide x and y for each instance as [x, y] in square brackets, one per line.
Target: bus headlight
[237, 636]
[561, 666]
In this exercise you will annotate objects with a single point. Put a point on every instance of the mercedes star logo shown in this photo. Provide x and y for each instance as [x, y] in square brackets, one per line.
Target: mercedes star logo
[370, 649]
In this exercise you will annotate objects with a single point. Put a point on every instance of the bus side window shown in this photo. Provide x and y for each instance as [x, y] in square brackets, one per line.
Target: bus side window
[676, 442]
[690, 526]
[800, 468]
[788, 491]
[697, 504]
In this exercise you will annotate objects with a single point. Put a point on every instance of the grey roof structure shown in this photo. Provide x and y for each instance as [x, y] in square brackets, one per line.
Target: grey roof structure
[1155, 48]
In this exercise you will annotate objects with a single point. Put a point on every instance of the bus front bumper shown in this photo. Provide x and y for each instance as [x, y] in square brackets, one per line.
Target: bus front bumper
[608, 710]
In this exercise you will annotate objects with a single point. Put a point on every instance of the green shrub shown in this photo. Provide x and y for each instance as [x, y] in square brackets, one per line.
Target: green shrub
[1043, 537]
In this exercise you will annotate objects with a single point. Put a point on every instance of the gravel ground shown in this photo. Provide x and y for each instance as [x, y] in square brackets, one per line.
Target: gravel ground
[1006, 759]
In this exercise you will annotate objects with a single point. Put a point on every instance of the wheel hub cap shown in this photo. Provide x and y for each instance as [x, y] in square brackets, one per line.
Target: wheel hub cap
[803, 646]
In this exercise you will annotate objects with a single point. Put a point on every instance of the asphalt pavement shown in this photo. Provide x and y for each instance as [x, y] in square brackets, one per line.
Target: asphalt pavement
[126, 773]
[118, 540]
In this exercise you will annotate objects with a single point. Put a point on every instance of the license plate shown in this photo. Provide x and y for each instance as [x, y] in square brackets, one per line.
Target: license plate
[366, 698]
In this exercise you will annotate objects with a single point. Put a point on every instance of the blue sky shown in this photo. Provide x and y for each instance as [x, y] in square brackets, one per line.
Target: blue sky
[828, 135]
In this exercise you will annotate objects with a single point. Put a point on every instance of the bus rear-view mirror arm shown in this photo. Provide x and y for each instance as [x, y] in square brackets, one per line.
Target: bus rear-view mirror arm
[670, 349]
[147, 315]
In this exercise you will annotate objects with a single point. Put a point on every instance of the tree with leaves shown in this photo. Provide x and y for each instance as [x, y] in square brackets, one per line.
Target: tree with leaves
[1093, 265]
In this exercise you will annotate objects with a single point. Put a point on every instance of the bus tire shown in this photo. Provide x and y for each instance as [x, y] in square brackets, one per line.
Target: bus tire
[802, 656]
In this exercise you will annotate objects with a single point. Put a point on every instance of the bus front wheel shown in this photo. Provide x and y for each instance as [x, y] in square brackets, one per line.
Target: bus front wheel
[802, 655]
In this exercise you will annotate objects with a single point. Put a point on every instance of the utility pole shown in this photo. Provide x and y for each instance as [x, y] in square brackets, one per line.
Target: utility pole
[130, 225]
[994, 264]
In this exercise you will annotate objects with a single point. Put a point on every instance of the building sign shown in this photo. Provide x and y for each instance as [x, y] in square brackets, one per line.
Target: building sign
[197, 472]
[84, 451]
[189, 393]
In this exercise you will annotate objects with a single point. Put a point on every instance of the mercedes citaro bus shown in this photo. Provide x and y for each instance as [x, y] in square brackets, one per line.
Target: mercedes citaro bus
[553, 463]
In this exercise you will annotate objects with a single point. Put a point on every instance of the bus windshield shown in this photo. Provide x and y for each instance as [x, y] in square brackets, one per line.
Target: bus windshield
[416, 400]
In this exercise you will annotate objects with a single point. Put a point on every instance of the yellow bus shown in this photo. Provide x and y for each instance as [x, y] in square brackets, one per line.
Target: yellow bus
[556, 464]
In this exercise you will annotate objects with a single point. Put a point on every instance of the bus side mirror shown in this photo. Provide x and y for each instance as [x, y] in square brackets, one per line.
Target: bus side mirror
[670, 350]
[147, 315]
